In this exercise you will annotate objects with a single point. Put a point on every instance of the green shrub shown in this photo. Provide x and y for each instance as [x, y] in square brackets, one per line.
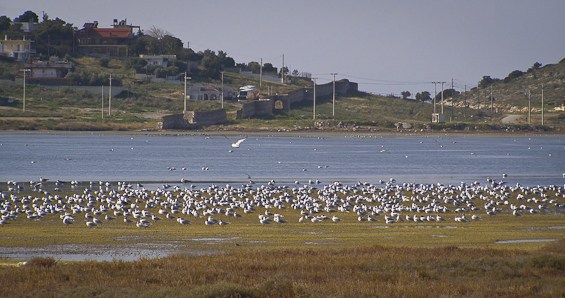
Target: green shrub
[104, 62]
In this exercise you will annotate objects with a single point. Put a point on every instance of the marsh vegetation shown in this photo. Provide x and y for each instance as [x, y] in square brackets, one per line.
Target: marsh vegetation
[498, 255]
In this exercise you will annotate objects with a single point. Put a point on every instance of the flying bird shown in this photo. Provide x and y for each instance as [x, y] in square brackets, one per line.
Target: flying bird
[236, 144]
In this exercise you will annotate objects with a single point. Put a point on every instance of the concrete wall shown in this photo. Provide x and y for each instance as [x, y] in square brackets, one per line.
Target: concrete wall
[175, 121]
[342, 87]
[296, 95]
[247, 110]
[264, 107]
[193, 119]
[252, 108]
[206, 117]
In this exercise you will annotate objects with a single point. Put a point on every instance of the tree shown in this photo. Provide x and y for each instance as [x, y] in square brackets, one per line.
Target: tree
[486, 81]
[139, 46]
[138, 64]
[284, 70]
[210, 66]
[450, 93]
[157, 33]
[185, 54]
[513, 75]
[154, 39]
[171, 45]
[28, 16]
[14, 31]
[405, 94]
[54, 37]
[4, 23]
[447, 93]
[254, 67]
[104, 62]
[268, 67]
[423, 96]
[225, 60]
[536, 65]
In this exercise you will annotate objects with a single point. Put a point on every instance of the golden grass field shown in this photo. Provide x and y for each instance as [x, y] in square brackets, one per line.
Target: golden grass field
[501, 255]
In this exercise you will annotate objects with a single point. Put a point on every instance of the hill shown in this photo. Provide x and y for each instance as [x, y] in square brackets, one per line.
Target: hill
[510, 95]
[140, 106]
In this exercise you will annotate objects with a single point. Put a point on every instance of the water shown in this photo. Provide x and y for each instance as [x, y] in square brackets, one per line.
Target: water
[419, 159]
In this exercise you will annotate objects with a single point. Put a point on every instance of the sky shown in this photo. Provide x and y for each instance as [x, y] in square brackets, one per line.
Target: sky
[387, 46]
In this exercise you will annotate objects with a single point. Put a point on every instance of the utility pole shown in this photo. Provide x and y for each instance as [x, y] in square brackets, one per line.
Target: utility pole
[102, 102]
[261, 74]
[478, 98]
[333, 101]
[491, 101]
[222, 89]
[110, 97]
[185, 95]
[452, 99]
[529, 107]
[25, 70]
[435, 94]
[465, 103]
[442, 97]
[542, 108]
[314, 98]
[282, 70]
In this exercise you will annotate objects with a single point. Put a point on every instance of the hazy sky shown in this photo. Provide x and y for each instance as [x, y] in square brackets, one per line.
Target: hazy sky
[387, 46]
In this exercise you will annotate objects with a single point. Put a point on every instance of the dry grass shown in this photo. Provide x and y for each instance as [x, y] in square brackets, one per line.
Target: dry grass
[299, 272]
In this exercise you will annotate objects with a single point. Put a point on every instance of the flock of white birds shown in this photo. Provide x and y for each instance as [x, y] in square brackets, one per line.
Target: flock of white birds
[93, 204]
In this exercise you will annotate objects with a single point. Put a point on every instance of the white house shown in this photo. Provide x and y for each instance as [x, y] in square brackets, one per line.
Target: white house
[55, 68]
[209, 93]
[159, 60]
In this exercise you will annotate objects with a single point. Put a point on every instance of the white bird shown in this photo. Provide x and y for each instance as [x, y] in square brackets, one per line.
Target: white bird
[264, 220]
[68, 220]
[143, 224]
[211, 221]
[183, 221]
[236, 144]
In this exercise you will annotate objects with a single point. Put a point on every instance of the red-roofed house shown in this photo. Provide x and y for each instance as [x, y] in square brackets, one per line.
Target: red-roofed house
[106, 41]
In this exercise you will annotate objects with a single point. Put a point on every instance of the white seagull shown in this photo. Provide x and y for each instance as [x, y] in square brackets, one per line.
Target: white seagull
[236, 144]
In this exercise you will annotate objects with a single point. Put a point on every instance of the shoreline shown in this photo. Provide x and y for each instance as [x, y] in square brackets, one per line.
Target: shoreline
[278, 133]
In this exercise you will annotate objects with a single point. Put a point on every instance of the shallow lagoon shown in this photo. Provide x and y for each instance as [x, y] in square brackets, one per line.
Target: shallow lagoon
[210, 159]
